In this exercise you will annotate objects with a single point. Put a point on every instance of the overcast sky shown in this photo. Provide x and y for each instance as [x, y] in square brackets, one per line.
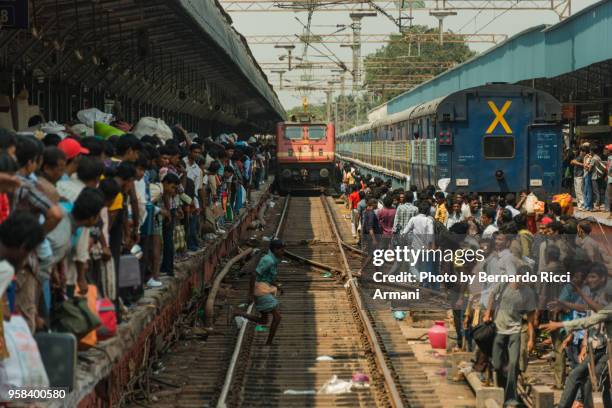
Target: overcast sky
[498, 22]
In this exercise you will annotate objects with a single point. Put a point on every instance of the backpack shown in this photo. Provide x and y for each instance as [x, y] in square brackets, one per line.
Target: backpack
[484, 335]
[74, 316]
[108, 319]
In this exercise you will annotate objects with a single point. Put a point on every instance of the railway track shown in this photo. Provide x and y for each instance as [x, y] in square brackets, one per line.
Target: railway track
[327, 330]
[321, 321]
[415, 388]
[323, 334]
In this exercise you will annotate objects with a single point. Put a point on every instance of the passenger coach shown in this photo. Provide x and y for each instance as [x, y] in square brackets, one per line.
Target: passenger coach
[488, 139]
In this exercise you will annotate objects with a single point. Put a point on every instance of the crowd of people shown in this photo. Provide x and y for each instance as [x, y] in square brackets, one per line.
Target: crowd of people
[110, 216]
[504, 323]
[590, 166]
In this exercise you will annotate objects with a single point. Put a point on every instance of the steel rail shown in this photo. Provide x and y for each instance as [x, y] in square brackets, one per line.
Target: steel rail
[229, 376]
[209, 310]
[283, 216]
[222, 403]
[394, 394]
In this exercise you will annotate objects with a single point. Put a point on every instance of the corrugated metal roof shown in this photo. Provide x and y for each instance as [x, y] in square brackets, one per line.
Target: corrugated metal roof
[170, 57]
[217, 24]
[539, 52]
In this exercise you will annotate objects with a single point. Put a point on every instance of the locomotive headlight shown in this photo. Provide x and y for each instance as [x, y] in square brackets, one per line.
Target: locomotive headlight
[320, 152]
[324, 173]
[286, 173]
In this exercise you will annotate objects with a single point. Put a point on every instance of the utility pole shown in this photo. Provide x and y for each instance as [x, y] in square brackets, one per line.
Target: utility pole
[341, 123]
[343, 103]
[356, 45]
[401, 5]
[441, 15]
[328, 93]
[289, 48]
[336, 121]
[280, 73]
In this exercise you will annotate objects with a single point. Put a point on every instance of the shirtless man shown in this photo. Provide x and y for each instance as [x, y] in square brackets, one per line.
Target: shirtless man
[265, 289]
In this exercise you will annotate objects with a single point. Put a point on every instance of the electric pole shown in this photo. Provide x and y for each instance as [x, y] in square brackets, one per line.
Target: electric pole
[328, 93]
[441, 15]
[280, 73]
[289, 48]
[356, 46]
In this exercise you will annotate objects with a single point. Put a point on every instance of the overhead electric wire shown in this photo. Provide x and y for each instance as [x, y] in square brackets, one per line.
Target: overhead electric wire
[496, 17]
[308, 32]
[309, 44]
[384, 13]
[474, 18]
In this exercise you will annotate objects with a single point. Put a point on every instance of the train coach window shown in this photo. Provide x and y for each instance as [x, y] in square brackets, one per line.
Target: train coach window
[293, 132]
[498, 147]
[316, 132]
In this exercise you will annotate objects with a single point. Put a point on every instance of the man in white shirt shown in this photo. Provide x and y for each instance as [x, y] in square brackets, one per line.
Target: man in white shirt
[405, 212]
[84, 215]
[87, 175]
[420, 231]
[421, 225]
[510, 203]
[465, 207]
[455, 215]
[194, 173]
[487, 220]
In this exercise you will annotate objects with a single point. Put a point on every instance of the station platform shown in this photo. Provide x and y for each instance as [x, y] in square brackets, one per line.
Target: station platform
[600, 217]
[105, 372]
[399, 180]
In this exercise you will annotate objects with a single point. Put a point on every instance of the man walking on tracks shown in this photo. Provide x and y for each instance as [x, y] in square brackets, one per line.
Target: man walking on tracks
[264, 287]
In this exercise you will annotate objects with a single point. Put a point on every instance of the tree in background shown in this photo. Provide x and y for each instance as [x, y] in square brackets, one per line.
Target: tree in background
[401, 64]
[391, 70]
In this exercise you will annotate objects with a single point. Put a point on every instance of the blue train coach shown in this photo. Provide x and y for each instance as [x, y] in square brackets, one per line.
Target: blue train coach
[489, 139]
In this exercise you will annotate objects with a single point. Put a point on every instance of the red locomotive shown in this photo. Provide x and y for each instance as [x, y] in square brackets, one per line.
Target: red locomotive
[305, 154]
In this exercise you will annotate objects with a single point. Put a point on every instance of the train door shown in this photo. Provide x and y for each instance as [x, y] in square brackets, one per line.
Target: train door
[443, 136]
[544, 159]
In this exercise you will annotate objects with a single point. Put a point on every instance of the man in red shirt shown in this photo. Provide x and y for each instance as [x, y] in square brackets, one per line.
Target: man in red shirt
[354, 197]
[353, 201]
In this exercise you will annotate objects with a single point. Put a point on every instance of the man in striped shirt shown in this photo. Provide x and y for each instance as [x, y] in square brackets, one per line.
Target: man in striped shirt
[405, 212]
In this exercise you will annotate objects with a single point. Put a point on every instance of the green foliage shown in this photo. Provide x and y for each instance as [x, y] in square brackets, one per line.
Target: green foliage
[391, 70]
[400, 63]
[318, 112]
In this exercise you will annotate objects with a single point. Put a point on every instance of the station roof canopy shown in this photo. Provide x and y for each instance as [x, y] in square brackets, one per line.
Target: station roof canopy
[572, 60]
[183, 55]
